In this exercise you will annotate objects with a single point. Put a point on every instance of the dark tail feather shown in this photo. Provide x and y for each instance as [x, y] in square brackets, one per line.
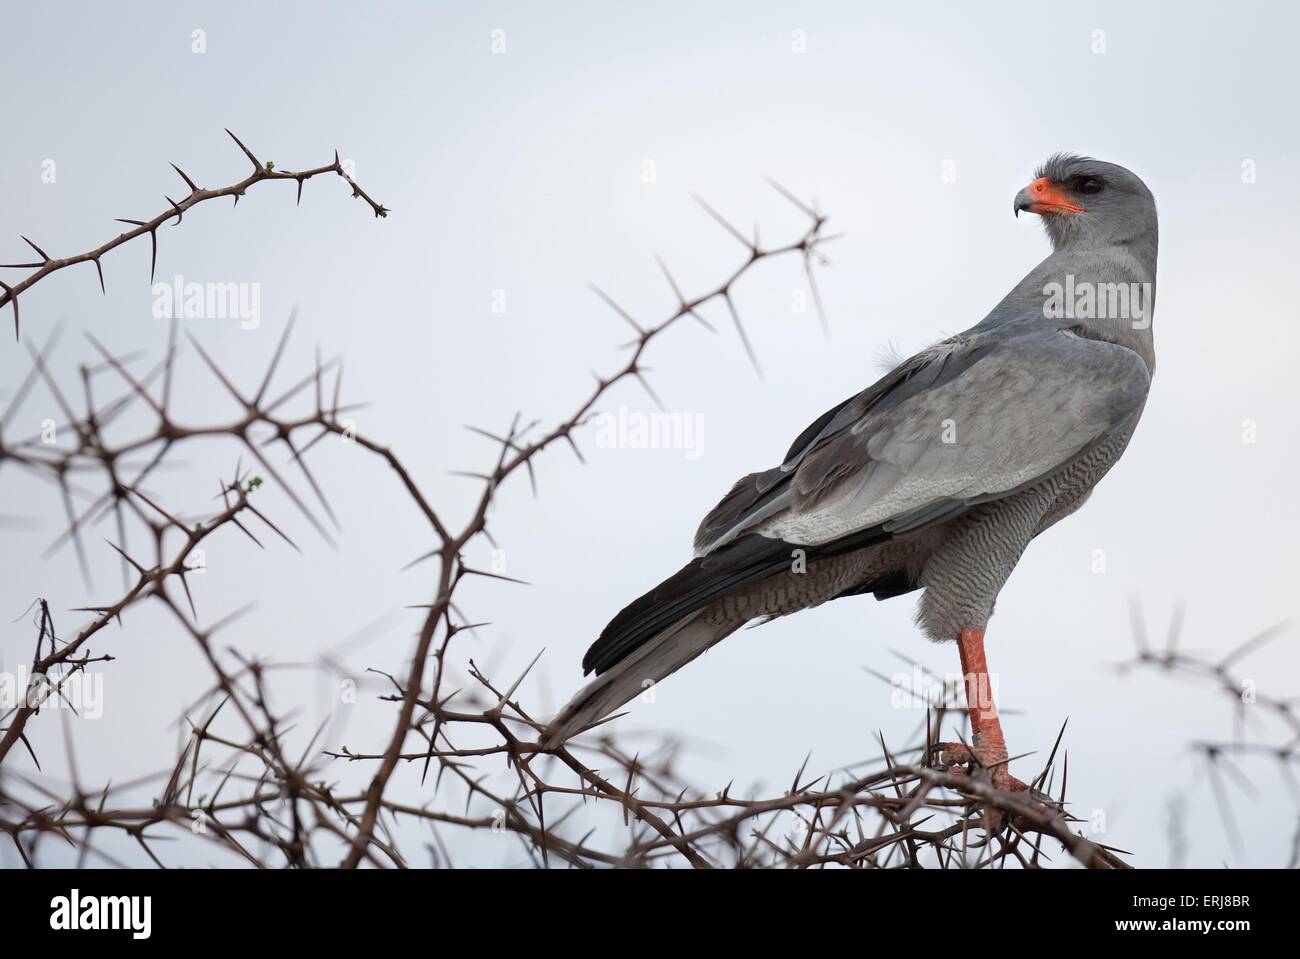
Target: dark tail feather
[660, 632]
[652, 661]
[689, 590]
[697, 584]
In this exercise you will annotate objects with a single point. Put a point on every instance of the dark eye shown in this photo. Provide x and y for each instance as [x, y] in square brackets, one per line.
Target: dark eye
[1090, 186]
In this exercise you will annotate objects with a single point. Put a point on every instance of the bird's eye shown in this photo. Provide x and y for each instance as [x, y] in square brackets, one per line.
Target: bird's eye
[1090, 186]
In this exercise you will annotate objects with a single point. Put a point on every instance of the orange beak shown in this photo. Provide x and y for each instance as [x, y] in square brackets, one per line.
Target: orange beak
[1044, 196]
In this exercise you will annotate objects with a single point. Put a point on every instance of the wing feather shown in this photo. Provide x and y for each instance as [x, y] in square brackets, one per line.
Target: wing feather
[972, 419]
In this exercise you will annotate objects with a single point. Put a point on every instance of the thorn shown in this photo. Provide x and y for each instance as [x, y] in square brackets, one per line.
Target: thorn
[812, 214]
[1138, 625]
[43, 255]
[671, 282]
[616, 308]
[744, 339]
[574, 446]
[13, 298]
[646, 384]
[1255, 642]
[727, 226]
[194, 187]
[138, 568]
[703, 322]
[511, 691]
[247, 152]
[816, 293]
[1038, 781]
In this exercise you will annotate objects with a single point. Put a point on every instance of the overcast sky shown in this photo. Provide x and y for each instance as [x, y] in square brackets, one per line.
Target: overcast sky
[527, 150]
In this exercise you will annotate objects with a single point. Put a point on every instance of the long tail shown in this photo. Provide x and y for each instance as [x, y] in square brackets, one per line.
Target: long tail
[663, 654]
[660, 632]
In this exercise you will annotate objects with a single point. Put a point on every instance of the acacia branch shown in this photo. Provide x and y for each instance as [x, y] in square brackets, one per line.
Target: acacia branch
[262, 172]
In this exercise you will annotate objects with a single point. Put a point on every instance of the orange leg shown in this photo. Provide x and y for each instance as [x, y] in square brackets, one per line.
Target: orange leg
[988, 746]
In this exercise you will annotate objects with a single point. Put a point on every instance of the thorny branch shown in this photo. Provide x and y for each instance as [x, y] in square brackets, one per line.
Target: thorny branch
[1266, 726]
[236, 784]
[262, 171]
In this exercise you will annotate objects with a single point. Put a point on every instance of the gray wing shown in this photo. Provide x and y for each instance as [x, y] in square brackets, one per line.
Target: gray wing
[972, 419]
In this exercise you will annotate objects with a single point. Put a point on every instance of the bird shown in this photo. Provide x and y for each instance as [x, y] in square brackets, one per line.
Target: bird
[936, 477]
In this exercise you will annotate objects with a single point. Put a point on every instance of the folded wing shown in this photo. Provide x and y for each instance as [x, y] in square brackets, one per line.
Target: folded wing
[973, 419]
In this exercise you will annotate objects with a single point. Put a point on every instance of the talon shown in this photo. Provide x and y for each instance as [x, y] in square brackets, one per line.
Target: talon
[1006, 782]
[954, 754]
[992, 761]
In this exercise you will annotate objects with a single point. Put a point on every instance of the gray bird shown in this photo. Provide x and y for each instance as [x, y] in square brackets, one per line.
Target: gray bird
[937, 476]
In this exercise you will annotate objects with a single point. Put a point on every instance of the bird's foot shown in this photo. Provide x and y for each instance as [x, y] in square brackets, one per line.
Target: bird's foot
[990, 764]
[990, 761]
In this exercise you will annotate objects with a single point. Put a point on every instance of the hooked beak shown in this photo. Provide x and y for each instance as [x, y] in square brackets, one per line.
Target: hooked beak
[1044, 196]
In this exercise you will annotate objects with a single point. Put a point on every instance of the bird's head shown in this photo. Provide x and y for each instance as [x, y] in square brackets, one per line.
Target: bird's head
[1089, 202]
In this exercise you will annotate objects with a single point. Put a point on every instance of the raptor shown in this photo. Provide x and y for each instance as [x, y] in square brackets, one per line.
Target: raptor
[934, 478]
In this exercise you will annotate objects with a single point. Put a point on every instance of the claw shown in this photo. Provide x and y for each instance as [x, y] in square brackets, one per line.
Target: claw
[992, 762]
